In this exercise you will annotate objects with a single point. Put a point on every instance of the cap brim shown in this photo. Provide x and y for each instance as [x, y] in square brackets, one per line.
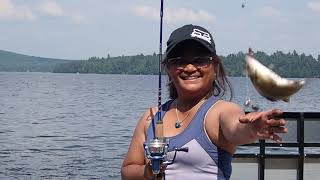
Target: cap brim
[206, 45]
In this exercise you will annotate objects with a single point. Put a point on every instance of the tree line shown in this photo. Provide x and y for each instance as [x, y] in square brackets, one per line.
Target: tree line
[289, 64]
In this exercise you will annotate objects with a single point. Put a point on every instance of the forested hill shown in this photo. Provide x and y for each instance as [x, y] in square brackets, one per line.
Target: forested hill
[10, 61]
[287, 65]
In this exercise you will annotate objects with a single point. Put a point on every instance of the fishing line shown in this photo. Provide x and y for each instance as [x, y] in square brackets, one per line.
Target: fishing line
[247, 102]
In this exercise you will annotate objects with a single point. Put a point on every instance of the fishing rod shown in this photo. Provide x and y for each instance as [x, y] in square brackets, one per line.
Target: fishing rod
[160, 122]
[156, 150]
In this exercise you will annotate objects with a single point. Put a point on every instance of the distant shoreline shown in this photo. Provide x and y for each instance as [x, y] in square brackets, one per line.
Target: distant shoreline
[31, 72]
[289, 65]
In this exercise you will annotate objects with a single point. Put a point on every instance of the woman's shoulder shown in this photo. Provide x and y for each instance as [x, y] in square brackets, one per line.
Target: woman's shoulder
[227, 103]
[145, 119]
[223, 106]
[149, 114]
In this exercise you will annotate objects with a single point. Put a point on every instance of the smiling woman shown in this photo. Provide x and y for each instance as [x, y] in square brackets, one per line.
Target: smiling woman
[196, 117]
[190, 68]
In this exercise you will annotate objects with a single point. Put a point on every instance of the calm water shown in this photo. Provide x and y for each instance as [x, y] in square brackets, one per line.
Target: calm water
[78, 126]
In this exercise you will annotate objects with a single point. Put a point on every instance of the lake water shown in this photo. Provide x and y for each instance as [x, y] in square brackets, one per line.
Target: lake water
[78, 126]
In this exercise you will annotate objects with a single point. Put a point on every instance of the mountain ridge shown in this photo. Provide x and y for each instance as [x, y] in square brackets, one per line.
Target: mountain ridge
[11, 61]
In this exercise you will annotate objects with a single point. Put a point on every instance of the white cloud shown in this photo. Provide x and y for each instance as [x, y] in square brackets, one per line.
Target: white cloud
[51, 8]
[78, 19]
[10, 11]
[314, 6]
[147, 12]
[173, 16]
[269, 11]
[189, 15]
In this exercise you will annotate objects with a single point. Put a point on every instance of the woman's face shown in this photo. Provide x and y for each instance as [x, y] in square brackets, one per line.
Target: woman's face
[191, 70]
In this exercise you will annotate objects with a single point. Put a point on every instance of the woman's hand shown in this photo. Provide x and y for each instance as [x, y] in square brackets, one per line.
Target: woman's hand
[265, 124]
[148, 171]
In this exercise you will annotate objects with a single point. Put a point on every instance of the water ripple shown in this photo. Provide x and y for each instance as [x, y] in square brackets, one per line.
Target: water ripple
[68, 126]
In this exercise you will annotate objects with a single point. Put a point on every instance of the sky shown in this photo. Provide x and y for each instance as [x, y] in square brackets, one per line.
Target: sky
[79, 29]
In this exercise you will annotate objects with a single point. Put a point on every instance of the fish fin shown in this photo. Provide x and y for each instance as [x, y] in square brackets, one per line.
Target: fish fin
[271, 99]
[250, 52]
[286, 99]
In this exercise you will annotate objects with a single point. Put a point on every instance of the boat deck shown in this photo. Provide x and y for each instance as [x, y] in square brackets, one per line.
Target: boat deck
[272, 165]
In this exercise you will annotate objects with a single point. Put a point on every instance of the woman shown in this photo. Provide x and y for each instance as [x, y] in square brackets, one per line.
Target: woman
[196, 117]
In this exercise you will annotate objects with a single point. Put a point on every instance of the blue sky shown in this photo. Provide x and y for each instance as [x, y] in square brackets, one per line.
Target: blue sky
[79, 29]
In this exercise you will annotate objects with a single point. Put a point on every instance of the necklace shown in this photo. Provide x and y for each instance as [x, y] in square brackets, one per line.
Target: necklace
[178, 122]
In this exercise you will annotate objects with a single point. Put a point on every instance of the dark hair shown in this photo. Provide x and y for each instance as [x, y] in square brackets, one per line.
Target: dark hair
[220, 85]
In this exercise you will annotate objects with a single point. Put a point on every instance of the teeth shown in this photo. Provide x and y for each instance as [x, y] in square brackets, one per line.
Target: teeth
[190, 77]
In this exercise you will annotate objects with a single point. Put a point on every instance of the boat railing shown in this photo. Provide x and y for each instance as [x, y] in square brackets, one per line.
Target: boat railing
[267, 160]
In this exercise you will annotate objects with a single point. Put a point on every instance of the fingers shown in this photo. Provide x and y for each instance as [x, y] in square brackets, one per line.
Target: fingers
[272, 133]
[163, 168]
[276, 138]
[148, 171]
[266, 124]
[276, 122]
[273, 113]
[148, 174]
[249, 118]
[278, 129]
[265, 115]
[276, 125]
[244, 119]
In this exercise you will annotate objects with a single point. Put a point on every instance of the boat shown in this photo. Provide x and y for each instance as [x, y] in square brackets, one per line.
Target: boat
[267, 161]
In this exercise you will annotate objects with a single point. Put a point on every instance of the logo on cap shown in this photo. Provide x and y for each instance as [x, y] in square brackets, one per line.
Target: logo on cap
[201, 34]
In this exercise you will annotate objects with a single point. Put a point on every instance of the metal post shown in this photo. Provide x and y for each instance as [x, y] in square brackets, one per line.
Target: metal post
[300, 139]
[262, 156]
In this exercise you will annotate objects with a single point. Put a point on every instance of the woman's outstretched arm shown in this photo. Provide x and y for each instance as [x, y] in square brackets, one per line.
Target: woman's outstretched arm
[240, 128]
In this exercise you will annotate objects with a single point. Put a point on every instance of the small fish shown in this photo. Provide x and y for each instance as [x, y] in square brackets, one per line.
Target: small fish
[269, 84]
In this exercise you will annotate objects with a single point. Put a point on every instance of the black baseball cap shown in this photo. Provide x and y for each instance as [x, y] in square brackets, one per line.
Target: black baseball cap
[190, 32]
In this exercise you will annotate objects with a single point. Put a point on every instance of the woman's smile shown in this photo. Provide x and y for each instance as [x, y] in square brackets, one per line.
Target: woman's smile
[191, 80]
[190, 77]
[184, 76]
